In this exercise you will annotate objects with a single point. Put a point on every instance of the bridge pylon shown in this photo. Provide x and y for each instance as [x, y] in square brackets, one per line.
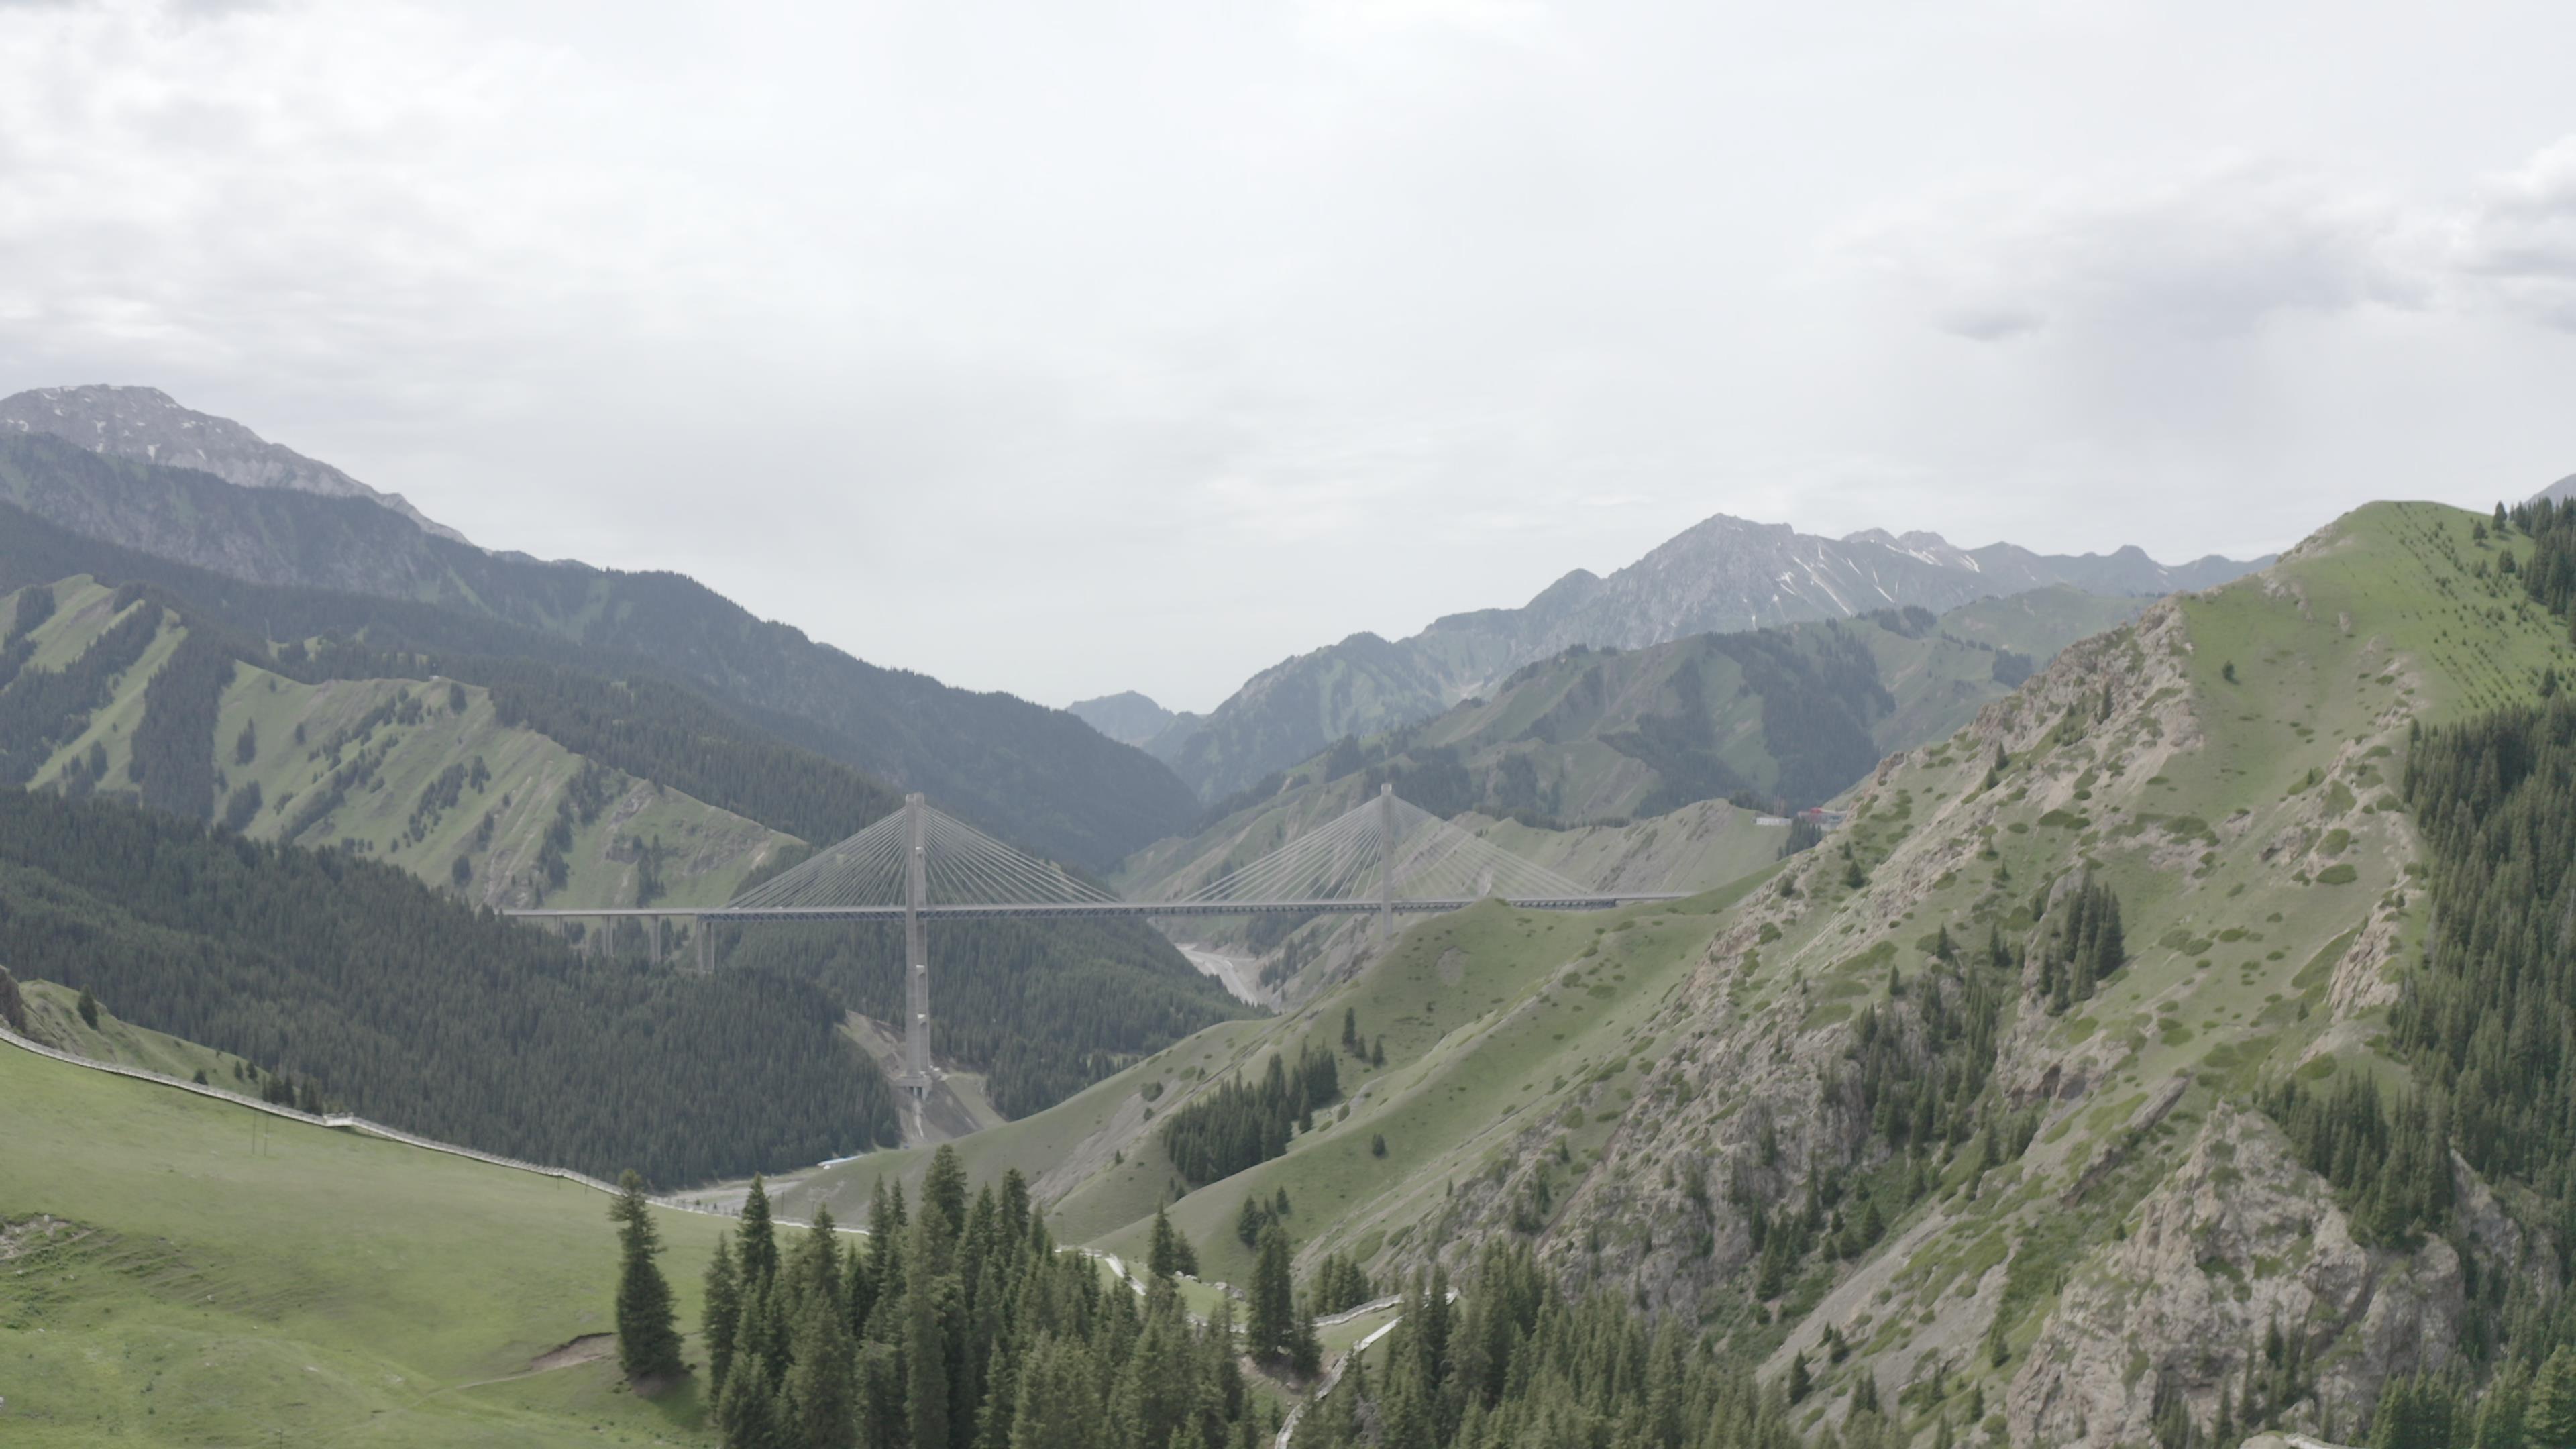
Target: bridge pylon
[916, 954]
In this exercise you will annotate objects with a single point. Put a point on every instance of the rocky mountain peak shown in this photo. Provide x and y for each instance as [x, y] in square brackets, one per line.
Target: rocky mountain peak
[147, 425]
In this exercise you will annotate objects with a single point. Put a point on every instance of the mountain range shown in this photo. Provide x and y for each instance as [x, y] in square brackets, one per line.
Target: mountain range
[2069, 1091]
[1721, 575]
[2161, 1042]
[1035, 775]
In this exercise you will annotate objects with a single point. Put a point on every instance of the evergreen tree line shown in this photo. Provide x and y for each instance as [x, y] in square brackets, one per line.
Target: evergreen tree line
[1918, 1074]
[1516, 1362]
[174, 756]
[2391, 1170]
[413, 1009]
[1924, 1088]
[2522, 1406]
[36, 604]
[1341, 1285]
[1043, 1008]
[2274, 1380]
[1221, 1133]
[958, 1325]
[2550, 574]
[40, 709]
[2486, 1025]
[2080, 945]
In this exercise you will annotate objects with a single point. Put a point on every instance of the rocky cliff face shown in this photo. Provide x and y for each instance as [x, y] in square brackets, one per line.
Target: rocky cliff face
[148, 426]
[2239, 1242]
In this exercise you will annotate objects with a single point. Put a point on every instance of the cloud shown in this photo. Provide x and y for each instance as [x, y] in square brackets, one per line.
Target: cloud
[2224, 252]
[2515, 243]
[2211, 256]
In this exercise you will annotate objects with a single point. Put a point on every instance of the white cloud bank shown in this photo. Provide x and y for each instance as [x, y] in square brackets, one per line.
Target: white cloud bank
[1067, 349]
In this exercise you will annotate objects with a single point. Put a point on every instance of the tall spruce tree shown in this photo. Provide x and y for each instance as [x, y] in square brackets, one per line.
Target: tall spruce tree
[722, 1318]
[1274, 1308]
[759, 1252]
[1171, 1253]
[648, 1341]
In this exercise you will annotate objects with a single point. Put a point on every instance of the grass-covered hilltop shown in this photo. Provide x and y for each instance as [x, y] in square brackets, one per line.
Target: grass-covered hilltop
[2167, 1047]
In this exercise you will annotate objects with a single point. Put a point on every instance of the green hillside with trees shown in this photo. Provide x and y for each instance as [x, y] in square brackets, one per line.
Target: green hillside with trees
[274, 564]
[2090, 1084]
[474, 788]
[372, 992]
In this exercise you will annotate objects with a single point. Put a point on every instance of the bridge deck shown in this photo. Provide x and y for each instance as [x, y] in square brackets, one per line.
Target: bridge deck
[1032, 910]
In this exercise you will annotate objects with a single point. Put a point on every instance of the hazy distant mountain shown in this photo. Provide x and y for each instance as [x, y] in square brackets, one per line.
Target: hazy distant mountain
[148, 426]
[1127, 717]
[2562, 491]
[1724, 574]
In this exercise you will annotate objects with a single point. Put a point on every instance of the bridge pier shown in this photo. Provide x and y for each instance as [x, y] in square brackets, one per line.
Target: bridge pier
[916, 956]
[1386, 862]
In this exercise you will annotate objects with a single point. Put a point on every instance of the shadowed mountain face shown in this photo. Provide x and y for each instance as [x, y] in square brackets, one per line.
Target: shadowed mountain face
[146, 425]
[1723, 575]
[1037, 776]
[2562, 491]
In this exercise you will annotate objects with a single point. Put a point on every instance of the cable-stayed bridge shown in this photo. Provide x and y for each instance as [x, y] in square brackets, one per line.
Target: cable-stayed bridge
[1386, 857]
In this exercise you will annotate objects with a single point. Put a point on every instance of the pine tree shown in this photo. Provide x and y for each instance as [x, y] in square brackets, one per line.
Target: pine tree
[2551, 1419]
[1274, 1308]
[1171, 1253]
[2499, 1423]
[821, 1412]
[925, 1331]
[1305, 1346]
[758, 1257]
[88, 1008]
[648, 1342]
[1801, 1381]
[747, 1414]
[943, 1189]
[723, 1316]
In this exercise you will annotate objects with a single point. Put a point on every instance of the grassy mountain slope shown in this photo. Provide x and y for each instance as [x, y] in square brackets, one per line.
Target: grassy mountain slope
[2250, 828]
[2087, 1223]
[53, 1017]
[462, 786]
[1035, 775]
[389, 742]
[181, 1269]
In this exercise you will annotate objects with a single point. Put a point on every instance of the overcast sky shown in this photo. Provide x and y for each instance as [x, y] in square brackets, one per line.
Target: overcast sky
[1065, 348]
